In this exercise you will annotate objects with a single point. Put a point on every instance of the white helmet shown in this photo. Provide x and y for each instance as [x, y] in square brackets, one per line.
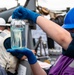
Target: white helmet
[3, 22]
[10, 19]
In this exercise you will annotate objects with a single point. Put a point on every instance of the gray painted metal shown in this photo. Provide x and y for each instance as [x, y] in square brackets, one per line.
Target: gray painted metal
[6, 14]
[32, 5]
[26, 64]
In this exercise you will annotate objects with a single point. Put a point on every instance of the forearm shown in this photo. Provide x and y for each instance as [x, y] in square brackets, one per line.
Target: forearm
[51, 28]
[37, 70]
[56, 32]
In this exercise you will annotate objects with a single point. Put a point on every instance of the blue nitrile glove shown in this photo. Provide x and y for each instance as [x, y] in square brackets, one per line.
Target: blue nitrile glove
[24, 13]
[24, 51]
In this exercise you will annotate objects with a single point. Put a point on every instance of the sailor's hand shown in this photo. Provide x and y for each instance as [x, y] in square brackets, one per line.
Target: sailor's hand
[24, 13]
[24, 51]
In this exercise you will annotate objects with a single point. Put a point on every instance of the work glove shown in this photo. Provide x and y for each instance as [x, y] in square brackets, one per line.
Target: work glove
[24, 13]
[24, 51]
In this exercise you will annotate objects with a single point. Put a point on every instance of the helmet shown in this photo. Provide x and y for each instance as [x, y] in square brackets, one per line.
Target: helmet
[3, 22]
[69, 20]
[9, 19]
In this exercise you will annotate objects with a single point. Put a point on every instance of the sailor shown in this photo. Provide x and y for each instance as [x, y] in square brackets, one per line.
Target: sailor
[2, 24]
[8, 62]
[64, 37]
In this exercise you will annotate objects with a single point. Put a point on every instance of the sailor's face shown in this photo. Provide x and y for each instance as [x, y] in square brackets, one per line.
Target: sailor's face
[2, 27]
